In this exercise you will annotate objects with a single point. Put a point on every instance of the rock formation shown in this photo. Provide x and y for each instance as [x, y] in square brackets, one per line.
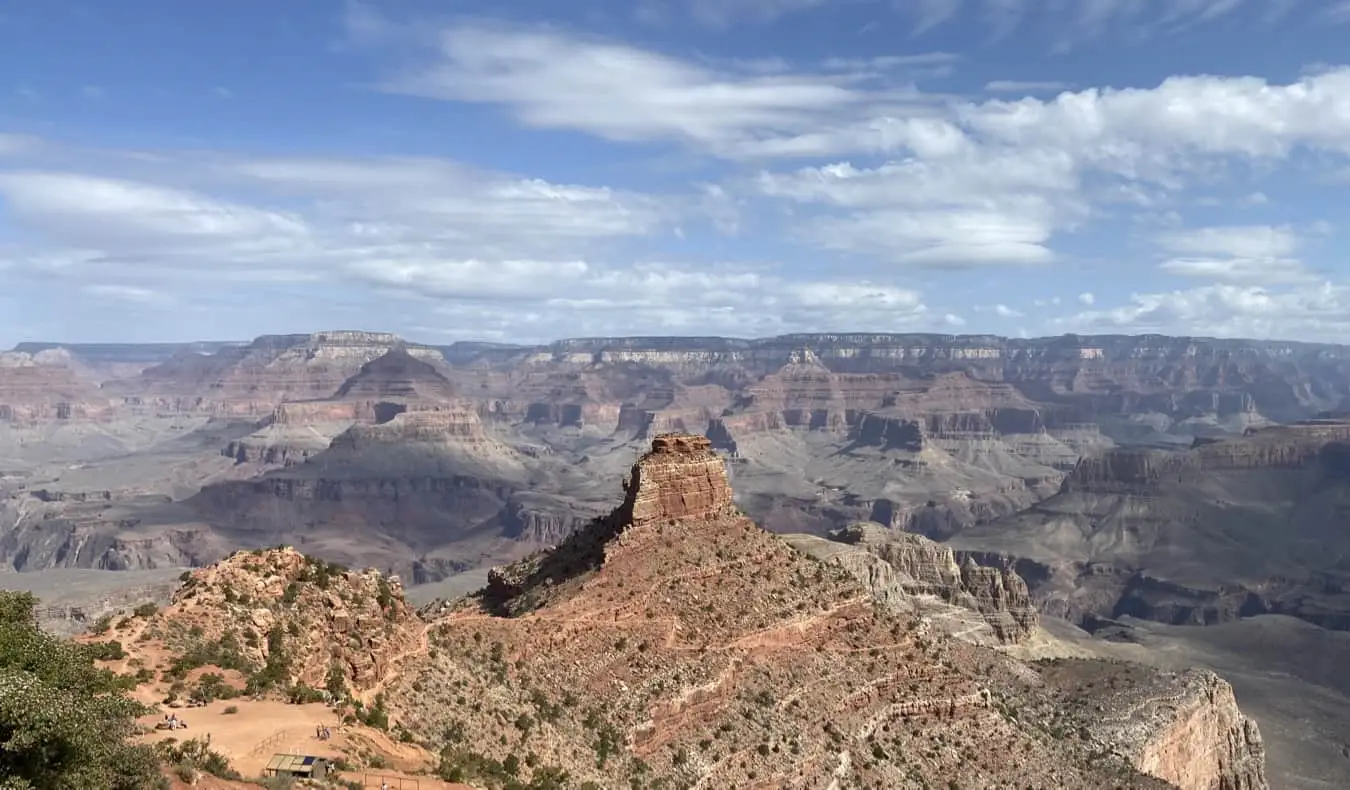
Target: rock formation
[674, 640]
[256, 378]
[1125, 534]
[48, 386]
[899, 567]
[277, 603]
[1182, 727]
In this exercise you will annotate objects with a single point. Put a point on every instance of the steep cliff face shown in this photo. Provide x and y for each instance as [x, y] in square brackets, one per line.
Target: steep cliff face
[1175, 376]
[1182, 727]
[255, 379]
[48, 386]
[897, 566]
[1220, 531]
[681, 478]
[1205, 742]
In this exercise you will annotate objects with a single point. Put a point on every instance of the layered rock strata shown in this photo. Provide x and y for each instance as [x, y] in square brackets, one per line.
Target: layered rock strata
[897, 567]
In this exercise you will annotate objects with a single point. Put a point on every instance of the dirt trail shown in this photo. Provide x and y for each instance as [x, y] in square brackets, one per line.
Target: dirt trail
[396, 665]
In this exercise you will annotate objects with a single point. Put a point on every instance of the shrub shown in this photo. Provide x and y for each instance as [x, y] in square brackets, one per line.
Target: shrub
[300, 694]
[64, 722]
[106, 651]
[230, 710]
[145, 610]
[195, 754]
[101, 625]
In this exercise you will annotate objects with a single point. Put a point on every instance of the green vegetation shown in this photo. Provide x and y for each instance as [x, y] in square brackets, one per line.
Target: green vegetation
[64, 723]
[224, 653]
[191, 757]
[106, 651]
[462, 765]
[276, 673]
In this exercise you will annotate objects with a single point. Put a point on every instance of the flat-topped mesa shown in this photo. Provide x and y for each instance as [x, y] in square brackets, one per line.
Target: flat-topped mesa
[681, 478]
[1134, 469]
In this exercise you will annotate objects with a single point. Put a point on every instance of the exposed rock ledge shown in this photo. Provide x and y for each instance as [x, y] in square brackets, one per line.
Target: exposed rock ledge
[1191, 734]
[897, 566]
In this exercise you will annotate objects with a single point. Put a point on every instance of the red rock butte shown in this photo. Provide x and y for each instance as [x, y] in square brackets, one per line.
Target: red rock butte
[680, 478]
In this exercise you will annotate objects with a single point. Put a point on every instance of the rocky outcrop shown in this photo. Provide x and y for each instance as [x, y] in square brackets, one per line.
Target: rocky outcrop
[681, 478]
[1204, 742]
[1138, 470]
[1182, 727]
[458, 425]
[898, 566]
[321, 616]
[398, 375]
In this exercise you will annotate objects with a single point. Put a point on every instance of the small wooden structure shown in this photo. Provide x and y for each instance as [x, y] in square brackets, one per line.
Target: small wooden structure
[298, 766]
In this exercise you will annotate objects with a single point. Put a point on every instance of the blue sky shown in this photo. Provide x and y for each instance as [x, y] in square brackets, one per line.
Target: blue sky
[533, 170]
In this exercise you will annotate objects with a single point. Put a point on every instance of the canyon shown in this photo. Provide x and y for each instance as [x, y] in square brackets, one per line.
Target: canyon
[1001, 489]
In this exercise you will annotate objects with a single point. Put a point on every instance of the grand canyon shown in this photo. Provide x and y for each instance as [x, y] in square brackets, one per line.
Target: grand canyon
[939, 528]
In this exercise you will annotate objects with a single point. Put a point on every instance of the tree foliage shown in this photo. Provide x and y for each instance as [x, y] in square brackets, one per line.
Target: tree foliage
[64, 723]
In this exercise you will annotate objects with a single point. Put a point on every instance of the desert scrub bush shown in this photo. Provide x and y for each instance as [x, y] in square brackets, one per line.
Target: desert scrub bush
[224, 653]
[230, 710]
[106, 651]
[212, 686]
[195, 754]
[101, 625]
[64, 723]
[384, 595]
[145, 610]
[300, 694]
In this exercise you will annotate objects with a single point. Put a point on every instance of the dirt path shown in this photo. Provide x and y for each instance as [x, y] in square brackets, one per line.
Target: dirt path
[422, 647]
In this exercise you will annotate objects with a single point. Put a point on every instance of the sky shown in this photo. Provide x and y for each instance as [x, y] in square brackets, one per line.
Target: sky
[529, 170]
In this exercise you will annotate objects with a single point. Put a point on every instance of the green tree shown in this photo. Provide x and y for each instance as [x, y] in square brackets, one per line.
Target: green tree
[64, 723]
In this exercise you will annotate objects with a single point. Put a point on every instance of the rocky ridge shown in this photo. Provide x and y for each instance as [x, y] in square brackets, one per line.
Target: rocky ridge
[252, 380]
[307, 618]
[676, 640]
[1185, 727]
[901, 569]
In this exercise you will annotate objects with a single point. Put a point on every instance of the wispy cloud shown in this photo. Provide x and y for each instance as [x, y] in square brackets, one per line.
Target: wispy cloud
[1026, 86]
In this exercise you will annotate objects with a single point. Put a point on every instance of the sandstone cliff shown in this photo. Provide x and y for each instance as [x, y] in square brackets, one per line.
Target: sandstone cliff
[1182, 727]
[898, 567]
[48, 385]
[254, 379]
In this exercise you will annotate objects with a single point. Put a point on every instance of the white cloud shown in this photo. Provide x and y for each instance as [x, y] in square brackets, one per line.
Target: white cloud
[1026, 86]
[1314, 312]
[1086, 298]
[1005, 311]
[1338, 13]
[123, 293]
[491, 254]
[1238, 241]
[1252, 254]
[965, 182]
